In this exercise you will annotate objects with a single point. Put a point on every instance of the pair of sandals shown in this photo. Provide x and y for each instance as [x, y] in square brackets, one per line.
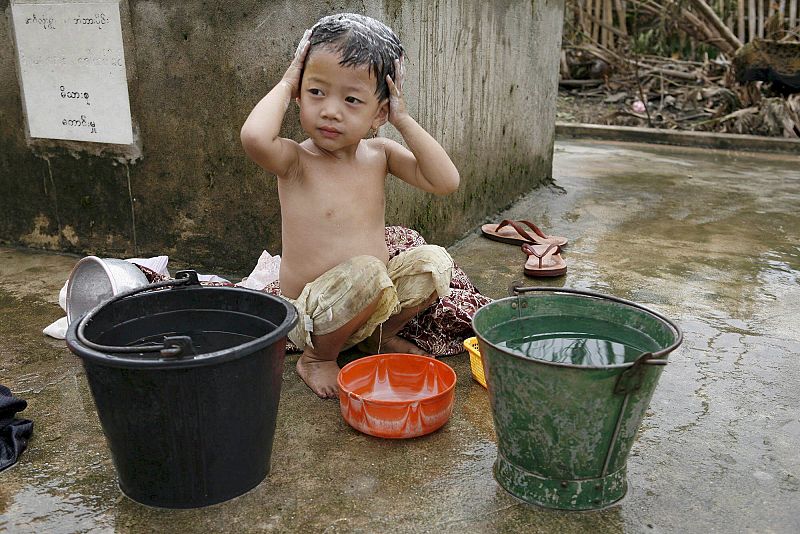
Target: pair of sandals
[544, 251]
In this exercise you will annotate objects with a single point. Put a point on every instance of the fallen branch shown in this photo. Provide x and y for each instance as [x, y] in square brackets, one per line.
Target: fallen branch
[693, 76]
[720, 26]
[729, 116]
[579, 83]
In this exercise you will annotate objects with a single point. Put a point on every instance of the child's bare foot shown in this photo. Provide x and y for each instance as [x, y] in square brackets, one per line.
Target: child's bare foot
[393, 344]
[319, 375]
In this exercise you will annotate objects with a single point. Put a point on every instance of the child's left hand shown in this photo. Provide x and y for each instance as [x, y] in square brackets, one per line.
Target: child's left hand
[397, 105]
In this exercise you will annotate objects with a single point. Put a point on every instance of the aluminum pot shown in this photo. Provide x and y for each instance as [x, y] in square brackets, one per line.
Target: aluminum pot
[94, 280]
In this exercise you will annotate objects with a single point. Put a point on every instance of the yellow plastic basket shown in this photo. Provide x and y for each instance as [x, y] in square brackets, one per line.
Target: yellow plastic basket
[475, 361]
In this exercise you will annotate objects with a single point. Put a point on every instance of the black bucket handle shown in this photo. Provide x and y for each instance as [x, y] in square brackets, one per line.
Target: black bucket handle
[172, 347]
[651, 358]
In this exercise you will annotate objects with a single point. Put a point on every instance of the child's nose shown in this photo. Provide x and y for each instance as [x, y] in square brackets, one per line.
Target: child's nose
[331, 110]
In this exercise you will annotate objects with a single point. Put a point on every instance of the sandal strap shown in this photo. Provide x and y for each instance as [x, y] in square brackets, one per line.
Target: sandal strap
[536, 229]
[530, 251]
[520, 230]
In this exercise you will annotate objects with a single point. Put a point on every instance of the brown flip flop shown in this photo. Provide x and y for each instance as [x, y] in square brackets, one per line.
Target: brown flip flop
[548, 260]
[514, 233]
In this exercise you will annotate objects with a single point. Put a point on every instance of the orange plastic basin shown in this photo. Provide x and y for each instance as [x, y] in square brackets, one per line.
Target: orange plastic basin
[396, 395]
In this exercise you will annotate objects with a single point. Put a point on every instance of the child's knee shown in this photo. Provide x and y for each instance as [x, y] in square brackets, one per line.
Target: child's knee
[437, 261]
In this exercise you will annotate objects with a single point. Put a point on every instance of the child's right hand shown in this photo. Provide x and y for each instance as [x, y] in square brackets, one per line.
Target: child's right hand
[293, 73]
[397, 104]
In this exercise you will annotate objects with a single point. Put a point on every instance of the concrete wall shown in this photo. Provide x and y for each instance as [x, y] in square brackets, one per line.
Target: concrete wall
[481, 77]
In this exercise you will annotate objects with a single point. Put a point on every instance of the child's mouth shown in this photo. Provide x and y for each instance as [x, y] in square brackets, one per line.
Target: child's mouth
[329, 132]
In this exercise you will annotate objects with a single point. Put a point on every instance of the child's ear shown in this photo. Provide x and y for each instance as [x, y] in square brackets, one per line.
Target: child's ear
[381, 116]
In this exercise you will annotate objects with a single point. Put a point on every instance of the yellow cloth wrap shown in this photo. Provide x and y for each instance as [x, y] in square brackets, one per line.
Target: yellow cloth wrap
[338, 295]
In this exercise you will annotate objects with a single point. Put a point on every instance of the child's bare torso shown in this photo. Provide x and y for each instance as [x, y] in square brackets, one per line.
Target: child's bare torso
[332, 210]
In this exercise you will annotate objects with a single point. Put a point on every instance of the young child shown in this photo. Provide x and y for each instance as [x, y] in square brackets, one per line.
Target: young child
[347, 78]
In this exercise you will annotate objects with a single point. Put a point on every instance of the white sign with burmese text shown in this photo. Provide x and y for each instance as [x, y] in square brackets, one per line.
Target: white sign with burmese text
[72, 66]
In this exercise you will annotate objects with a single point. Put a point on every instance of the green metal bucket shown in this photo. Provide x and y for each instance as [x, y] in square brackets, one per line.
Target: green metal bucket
[565, 419]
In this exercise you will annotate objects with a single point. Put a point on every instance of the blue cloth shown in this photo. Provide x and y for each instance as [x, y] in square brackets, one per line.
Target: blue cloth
[14, 433]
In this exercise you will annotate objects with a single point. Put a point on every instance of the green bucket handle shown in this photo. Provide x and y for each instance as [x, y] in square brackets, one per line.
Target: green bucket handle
[516, 288]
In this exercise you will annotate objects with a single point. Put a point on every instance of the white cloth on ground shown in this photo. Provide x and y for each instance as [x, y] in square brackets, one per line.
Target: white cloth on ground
[265, 272]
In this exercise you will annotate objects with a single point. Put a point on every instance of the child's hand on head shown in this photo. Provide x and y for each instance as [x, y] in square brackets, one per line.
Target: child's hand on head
[292, 76]
[397, 106]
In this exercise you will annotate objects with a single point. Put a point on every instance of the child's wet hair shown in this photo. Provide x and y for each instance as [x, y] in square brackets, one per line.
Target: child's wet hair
[360, 41]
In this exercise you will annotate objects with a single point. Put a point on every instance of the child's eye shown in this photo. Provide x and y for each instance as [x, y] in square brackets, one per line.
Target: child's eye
[315, 91]
[352, 100]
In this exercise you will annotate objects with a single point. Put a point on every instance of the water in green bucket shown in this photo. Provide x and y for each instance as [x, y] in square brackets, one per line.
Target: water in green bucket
[570, 375]
[580, 341]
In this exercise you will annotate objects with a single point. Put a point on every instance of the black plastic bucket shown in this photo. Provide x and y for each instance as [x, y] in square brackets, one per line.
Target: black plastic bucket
[186, 382]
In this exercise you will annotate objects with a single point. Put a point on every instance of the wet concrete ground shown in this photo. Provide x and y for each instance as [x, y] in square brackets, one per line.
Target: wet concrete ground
[710, 239]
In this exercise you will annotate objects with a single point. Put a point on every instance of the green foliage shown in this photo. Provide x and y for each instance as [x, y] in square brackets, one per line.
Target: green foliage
[659, 40]
[663, 34]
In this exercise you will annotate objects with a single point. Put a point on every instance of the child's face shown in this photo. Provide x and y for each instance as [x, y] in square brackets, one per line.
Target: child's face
[338, 104]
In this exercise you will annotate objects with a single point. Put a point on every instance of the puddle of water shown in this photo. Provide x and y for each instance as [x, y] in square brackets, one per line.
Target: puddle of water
[37, 509]
[708, 239]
